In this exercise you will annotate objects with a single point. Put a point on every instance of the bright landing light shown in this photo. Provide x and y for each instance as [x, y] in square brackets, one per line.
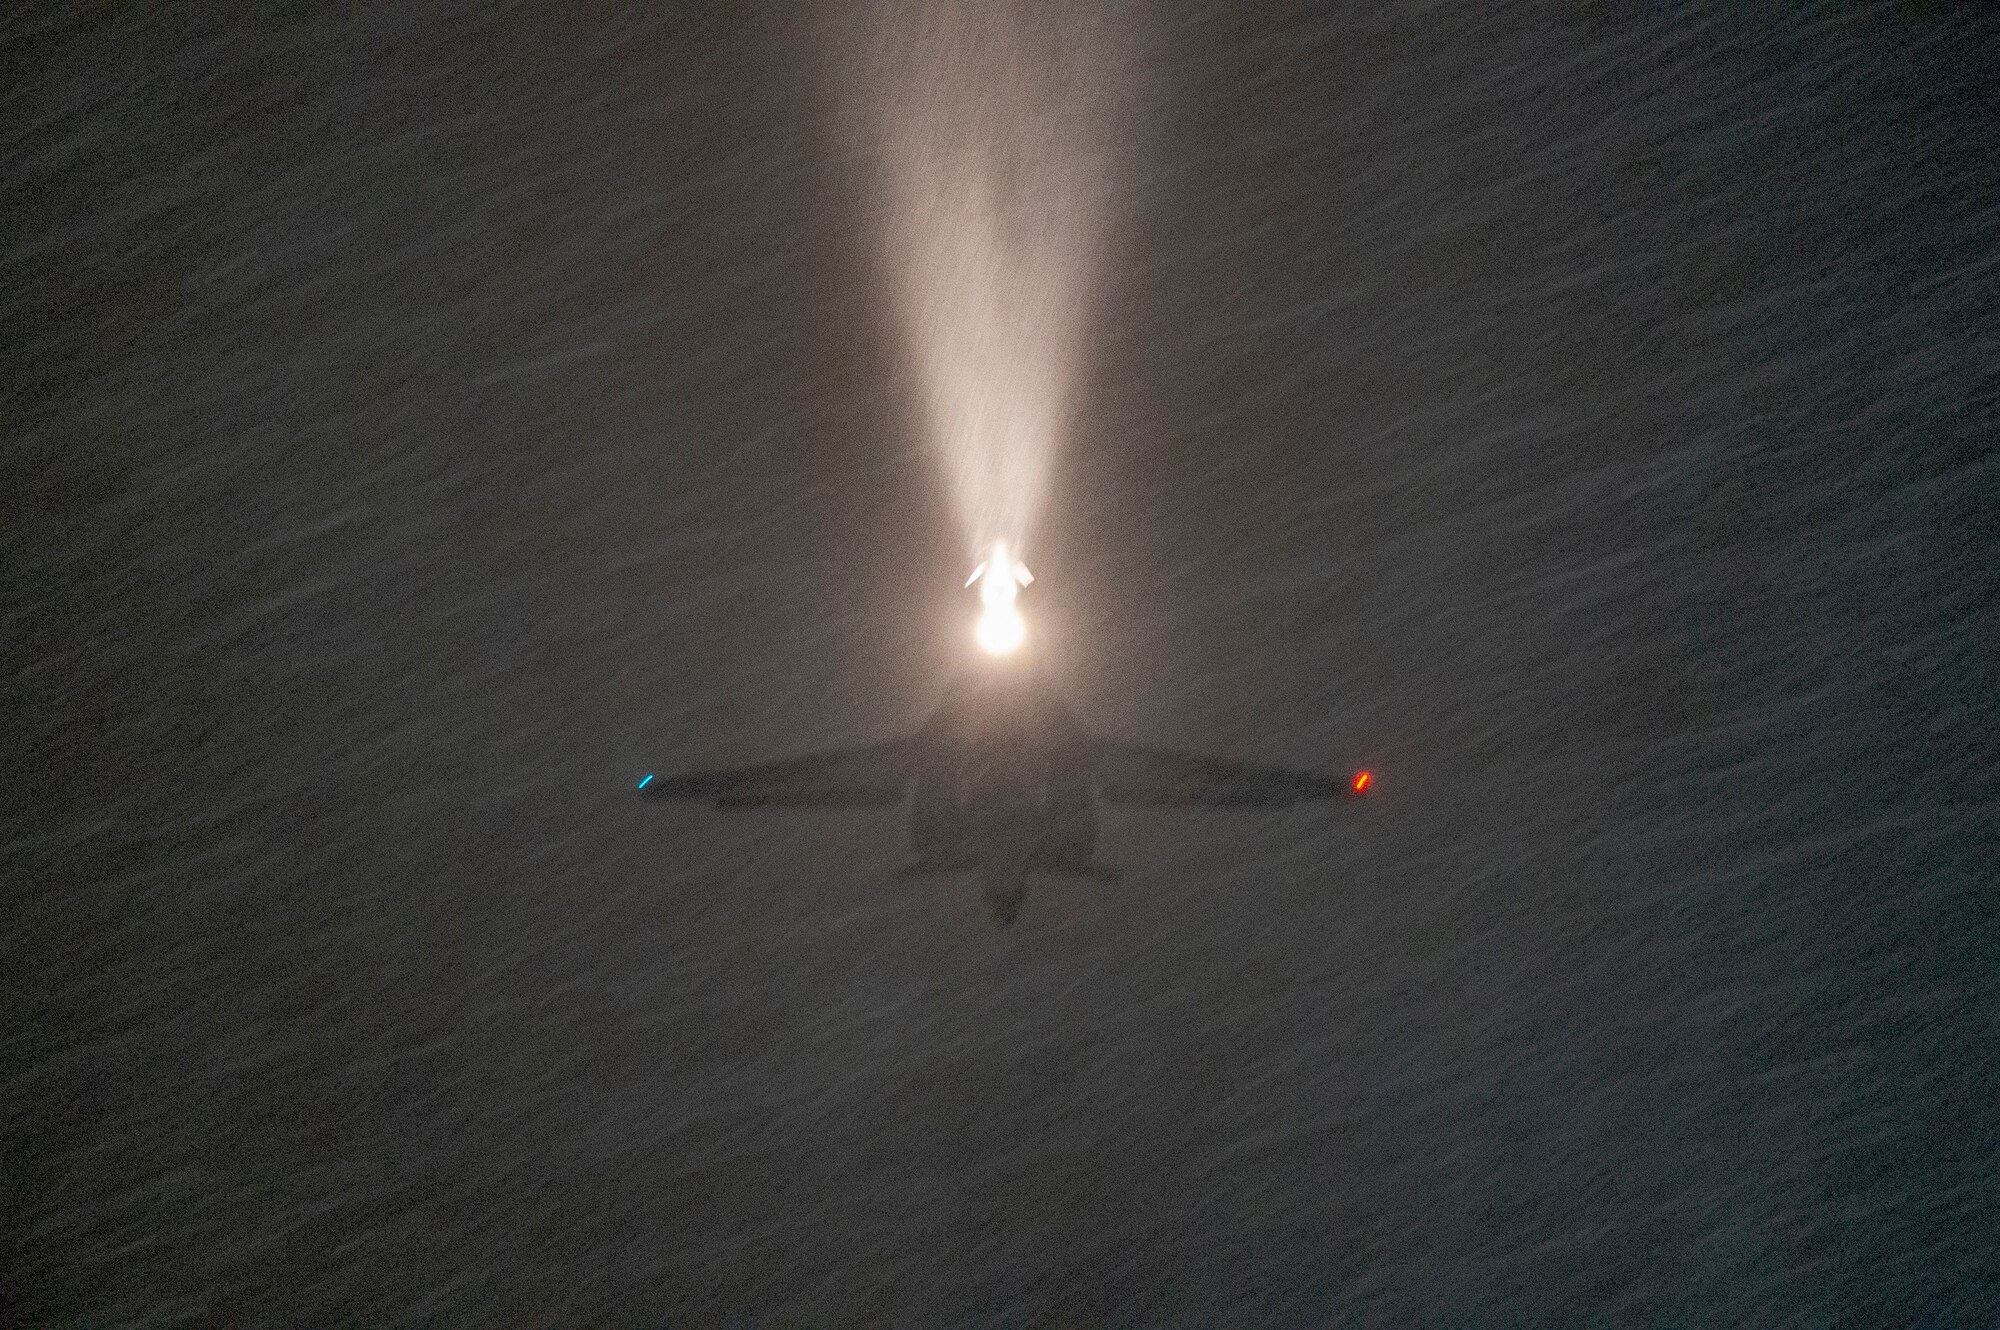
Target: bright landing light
[1001, 633]
[1001, 628]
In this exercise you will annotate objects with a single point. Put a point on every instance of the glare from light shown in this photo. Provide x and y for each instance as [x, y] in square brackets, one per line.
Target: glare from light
[989, 126]
[1001, 628]
[1362, 780]
[1002, 632]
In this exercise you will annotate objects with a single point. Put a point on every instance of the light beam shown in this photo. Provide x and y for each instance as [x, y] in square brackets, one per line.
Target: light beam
[993, 174]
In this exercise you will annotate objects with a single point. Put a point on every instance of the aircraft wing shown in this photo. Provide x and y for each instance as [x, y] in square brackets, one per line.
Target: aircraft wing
[871, 776]
[1135, 777]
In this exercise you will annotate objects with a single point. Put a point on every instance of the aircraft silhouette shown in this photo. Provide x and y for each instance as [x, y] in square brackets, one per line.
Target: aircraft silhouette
[1003, 782]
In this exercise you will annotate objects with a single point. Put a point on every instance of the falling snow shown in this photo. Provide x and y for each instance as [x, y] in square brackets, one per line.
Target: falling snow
[425, 422]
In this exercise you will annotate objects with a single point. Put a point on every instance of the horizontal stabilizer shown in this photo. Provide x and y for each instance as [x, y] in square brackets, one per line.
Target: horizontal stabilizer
[934, 868]
[1088, 872]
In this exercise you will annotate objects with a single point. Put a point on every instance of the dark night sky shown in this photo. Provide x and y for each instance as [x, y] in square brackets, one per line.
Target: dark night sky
[417, 425]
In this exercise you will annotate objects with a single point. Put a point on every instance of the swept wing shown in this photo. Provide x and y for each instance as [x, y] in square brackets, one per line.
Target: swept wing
[1132, 776]
[871, 776]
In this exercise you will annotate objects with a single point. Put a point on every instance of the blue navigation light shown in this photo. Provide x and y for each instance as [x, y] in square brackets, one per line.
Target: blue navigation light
[647, 781]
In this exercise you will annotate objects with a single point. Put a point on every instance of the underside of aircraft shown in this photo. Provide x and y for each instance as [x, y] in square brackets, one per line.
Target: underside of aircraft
[1002, 782]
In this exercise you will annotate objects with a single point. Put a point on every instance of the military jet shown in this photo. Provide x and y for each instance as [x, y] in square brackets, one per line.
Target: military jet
[1002, 781]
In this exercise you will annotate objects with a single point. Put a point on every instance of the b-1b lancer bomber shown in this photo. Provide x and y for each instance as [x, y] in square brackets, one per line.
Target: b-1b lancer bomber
[1002, 781]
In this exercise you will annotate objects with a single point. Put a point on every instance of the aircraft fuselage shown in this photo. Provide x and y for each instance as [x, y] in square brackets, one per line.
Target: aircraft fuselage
[1003, 782]
[1002, 787]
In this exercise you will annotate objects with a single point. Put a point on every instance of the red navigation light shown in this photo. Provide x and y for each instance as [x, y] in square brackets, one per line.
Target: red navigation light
[1362, 780]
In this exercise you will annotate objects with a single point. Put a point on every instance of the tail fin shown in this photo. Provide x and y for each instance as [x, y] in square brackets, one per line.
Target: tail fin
[1004, 890]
